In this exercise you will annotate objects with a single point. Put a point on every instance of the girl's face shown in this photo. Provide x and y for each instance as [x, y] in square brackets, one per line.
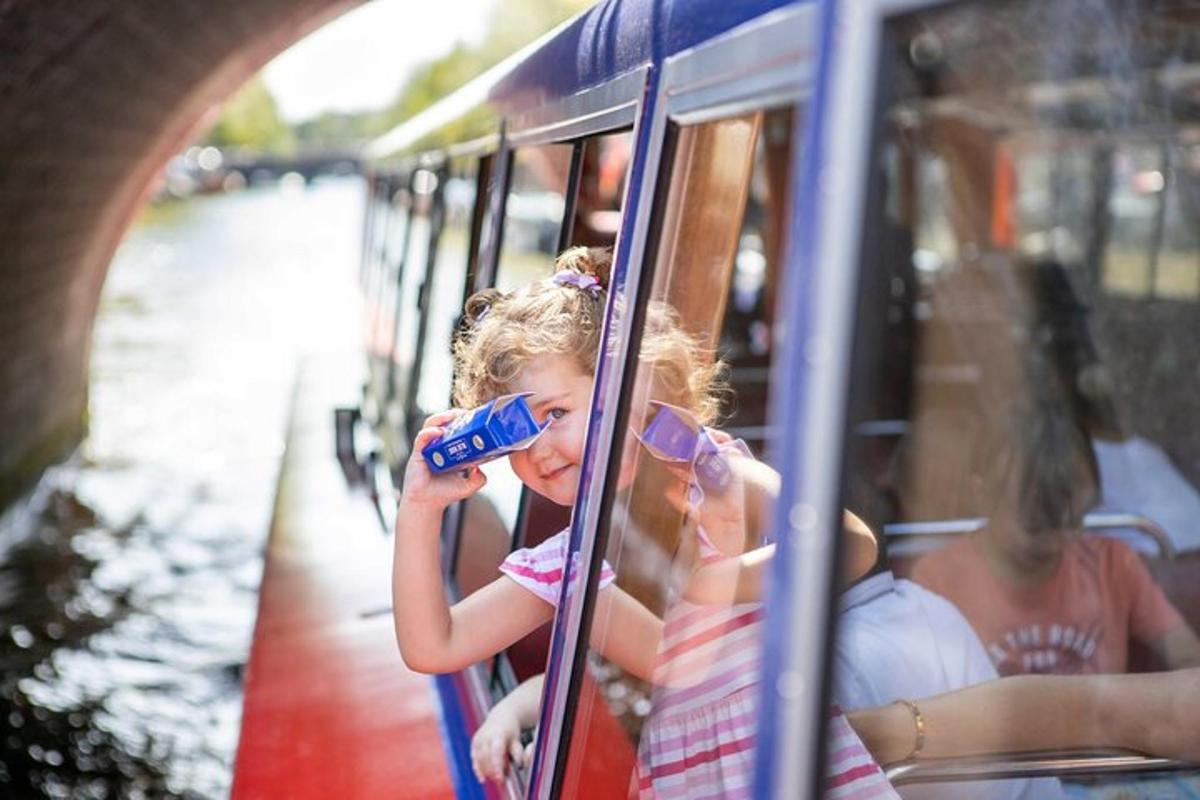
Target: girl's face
[562, 393]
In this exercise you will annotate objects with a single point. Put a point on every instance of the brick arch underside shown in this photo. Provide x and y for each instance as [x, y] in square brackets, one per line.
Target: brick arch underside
[96, 96]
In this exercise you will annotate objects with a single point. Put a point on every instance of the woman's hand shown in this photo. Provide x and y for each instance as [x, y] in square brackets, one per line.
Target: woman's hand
[428, 490]
[496, 742]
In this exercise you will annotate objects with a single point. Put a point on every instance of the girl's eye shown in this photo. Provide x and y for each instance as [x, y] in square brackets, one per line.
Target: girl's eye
[556, 413]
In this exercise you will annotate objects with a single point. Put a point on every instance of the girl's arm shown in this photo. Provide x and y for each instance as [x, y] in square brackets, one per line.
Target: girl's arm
[741, 579]
[1151, 713]
[731, 580]
[432, 636]
[435, 637]
[626, 632]
[499, 737]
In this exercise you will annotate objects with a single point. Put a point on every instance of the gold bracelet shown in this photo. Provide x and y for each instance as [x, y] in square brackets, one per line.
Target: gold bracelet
[919, 723]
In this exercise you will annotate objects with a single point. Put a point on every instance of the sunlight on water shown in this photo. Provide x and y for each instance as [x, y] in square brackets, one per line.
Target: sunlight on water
[128, 582]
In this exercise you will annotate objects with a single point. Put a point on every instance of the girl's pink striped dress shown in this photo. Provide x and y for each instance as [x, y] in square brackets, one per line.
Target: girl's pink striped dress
[540, 569]
[698, 742]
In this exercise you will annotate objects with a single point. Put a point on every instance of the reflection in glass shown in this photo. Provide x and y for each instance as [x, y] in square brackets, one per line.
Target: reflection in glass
[449, 274]
[533, 213]
[1032, 235]
[714, 277]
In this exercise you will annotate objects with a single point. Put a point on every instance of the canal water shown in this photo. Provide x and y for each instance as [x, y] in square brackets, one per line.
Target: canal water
[128, 581]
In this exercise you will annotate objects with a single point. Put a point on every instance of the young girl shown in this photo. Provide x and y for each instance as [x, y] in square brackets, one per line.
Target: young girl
[545, 339]
[1043, 596]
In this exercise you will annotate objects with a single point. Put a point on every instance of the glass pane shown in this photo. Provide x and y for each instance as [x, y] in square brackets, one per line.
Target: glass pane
[1177, 269]
[381, 298]
[601, 190]
[1029, 375]
[504, 515]
[667, 704]
[539, 183]
[449, 282]
[1136, 197]
[395, 234]
[533, 213]
[536, 202]
[416, 265]
[372, 258]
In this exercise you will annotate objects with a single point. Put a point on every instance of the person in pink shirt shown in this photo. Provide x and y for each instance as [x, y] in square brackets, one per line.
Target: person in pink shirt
[1043, 596]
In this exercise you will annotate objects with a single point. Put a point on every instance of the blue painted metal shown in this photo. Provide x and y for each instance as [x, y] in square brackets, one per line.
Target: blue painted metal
[607, 371]
[615, 37]
[455, 739]
[611, 40]
[790, 380]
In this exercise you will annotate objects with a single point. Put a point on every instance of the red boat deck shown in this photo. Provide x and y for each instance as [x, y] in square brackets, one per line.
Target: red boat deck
[330, 710]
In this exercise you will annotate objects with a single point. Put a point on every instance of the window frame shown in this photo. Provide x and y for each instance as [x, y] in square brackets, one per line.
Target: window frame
[380, 219]
[818, 294]
[607, 109]
[610, 107]
[401, 387]
[760, 65]
[826, 240]
[381, 289]
[442, 168]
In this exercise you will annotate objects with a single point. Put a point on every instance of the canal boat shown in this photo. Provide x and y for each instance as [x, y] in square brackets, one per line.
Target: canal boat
[894, 221]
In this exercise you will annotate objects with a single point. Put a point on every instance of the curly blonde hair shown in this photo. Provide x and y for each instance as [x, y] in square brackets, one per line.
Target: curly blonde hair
[503, 331]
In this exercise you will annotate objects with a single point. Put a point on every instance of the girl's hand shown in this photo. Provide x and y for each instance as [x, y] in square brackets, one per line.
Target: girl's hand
[424, 488]
[722, 514]
[496, 742]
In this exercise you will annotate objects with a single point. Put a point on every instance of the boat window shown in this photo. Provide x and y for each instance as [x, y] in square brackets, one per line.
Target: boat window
[675, 648]
[375, 192]
[371, 257]
[533, 220]
[602, 177]
[504, 515]
[533, 213]
[389, 233]
[395, 235]
[446, 291]
[1022, 409]
[424, 219]
[489, 518]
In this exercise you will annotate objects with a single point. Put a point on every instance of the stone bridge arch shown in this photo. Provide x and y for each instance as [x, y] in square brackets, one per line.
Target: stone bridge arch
[96, 96]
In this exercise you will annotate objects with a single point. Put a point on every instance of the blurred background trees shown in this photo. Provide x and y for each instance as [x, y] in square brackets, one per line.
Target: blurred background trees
[250, 120]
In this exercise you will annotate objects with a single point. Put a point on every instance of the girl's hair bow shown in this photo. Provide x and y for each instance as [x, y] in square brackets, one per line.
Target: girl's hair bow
[586, 283]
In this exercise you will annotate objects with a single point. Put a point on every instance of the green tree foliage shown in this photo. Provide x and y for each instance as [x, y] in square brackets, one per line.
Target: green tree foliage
[337, 130]
[250, 121]
[512, 24]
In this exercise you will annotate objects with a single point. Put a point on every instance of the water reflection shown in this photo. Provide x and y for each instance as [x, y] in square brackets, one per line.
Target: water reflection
[128, 581]
[59, 739]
